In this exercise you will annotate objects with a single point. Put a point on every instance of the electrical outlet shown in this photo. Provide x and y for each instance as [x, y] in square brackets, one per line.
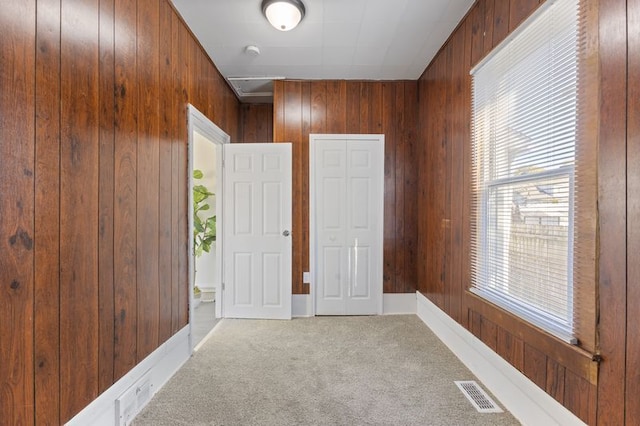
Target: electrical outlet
[306, 277]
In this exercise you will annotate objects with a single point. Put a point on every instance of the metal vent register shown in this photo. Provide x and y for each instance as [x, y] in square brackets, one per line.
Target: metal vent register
[478, 397]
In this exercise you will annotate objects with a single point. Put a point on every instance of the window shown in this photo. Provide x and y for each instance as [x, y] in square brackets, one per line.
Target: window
[524, 126]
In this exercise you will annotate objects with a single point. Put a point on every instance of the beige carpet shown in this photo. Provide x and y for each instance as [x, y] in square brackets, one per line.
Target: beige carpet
[385, 370]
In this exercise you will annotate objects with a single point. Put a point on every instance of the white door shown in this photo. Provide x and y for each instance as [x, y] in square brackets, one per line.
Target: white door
[257, 229]
[347, 195]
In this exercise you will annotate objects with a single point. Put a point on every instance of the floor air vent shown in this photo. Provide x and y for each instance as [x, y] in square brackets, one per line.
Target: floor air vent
[478, 397]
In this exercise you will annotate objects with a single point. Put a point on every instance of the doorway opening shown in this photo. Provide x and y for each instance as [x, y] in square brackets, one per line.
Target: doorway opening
[206, 141]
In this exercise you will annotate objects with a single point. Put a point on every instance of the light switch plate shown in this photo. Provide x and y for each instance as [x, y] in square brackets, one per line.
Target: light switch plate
[306, 277]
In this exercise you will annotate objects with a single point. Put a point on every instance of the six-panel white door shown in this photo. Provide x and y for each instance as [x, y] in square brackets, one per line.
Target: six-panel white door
[257, 231]
[346, 207]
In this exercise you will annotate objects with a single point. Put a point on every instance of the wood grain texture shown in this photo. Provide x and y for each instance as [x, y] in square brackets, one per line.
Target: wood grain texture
[501, 12]
[510, 348]
[79, 165]
[489, 22]
[302, 108]
[464, 106]
[148, 178]
[408, 188]
[555, 380]
[612, 207]
[477, 20]
[568, 355]
[47, 215]
[256, 123]
[187, 46]
[535, 365]
[446, 264]
[489, 333]
[458, 130]
[179, 68]
[632, 411]
[125, 208]
[424, 123]
[17, 129]
[167, 118]
[390, 241]
[93, 193]
[444, 226]
[438, 222]
[519, 10]
[106, 182]
[578, 398]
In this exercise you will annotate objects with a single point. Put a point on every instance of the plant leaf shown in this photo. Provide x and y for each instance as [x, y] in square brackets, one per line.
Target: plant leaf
[197, 174]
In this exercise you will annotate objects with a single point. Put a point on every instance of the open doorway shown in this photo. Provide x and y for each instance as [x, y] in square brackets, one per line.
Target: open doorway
[206, 141]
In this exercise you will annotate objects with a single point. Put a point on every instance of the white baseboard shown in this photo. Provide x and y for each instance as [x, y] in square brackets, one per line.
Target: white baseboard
[301, 305]
[523, 398]
[399, 303]
[162, 363]
[392, 304]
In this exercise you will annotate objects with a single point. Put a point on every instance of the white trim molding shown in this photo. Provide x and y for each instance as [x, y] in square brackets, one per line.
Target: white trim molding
[162, 364]
[399, 303]
[393, 304]
[301, 305]
[523, 398]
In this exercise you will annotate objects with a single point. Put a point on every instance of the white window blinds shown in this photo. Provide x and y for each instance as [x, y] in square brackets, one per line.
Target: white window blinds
[523, 162]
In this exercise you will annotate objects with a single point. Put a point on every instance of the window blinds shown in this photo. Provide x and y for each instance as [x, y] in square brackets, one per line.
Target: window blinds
[523, 167]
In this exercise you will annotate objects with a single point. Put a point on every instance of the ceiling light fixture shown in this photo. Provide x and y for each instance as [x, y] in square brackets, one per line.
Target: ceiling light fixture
[284, 15]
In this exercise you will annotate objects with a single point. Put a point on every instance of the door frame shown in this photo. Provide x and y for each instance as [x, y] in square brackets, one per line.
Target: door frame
[312, 212]
[198, 122]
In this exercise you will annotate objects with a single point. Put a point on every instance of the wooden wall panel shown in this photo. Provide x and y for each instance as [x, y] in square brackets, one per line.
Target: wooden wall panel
[555, 380]
[301, 108]
[189, 75]
[612, 205]
[390, 244]
[477, 20]
[293, 133]
[79, 165]
[567, 373]
[106, 191]
[407, 188]
[165, 171]
[93, 193]
[510, 348]
[501, 11]
[125, 208]
[179, 68]
[17, 130]
[47, 215]
[535, 365]
[256, 123]
[633, 214]
[148, 178]
[519, 10]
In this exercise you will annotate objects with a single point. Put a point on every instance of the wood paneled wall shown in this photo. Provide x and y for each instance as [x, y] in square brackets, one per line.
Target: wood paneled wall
[305, 107]
[256, 123]
[93, 235]
[604, 393]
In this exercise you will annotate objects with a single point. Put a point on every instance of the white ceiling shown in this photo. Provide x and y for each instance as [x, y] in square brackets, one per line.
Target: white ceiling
[337, 39]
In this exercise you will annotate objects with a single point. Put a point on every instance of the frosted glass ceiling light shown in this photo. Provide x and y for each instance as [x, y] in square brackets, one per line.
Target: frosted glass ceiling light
[284, 15]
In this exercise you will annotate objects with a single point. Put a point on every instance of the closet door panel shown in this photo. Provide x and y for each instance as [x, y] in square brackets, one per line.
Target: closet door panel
[347, 208]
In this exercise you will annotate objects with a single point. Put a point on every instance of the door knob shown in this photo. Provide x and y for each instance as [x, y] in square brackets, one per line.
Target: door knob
[285, 233]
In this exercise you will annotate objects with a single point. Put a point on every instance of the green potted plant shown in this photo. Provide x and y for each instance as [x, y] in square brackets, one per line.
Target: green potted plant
[204, 227]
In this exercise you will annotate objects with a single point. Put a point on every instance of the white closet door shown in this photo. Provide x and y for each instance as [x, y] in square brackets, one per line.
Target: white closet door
[347, 223]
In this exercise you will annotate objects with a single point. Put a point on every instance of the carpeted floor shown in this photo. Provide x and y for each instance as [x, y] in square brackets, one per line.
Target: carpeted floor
[381, 370]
